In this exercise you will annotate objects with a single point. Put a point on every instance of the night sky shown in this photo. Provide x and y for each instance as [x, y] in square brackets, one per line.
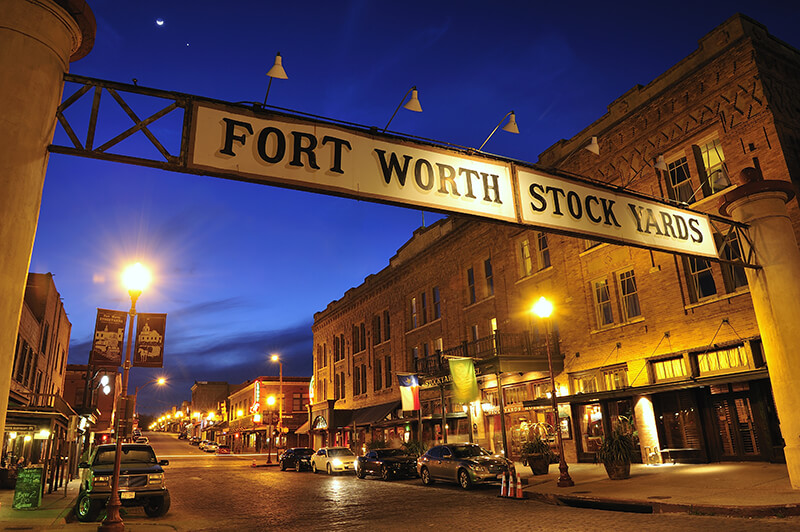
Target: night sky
[240, 268]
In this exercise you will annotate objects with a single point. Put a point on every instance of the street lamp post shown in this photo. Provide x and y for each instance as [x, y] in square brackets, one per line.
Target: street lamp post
[271, 403]
[135, 278]
[276, 358]
[543, 308]
[161, 381]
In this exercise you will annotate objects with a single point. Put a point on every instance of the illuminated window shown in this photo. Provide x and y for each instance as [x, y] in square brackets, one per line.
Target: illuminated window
[542, 251]
[602, 303]
[526, 264]
[700, 279]
[629, 296]
[671, 368]
[724, 359]
[414, 322]
[584, 383]
[711, 164]
[615, 378]
[437, 345]
[679, 182]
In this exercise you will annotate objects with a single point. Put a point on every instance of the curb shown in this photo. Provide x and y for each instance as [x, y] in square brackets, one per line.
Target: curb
[647, 507]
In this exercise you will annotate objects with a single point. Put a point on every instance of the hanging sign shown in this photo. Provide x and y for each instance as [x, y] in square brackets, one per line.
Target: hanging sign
[149, 351]
[109, 331]
[552, 202]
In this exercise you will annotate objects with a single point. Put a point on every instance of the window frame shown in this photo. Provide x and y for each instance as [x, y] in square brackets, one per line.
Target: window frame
[601, 306]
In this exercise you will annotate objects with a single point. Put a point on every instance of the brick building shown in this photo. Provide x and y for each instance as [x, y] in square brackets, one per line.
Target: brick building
[667, 342]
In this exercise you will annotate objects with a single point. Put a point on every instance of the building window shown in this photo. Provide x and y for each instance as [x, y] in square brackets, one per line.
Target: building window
[376, 330]
[388, 372]
[516, 394]
[724, 359]
[541, 389]
[341, 383]
[414, 355]
[363, 343]
[487, 268]
[679, 182]
[585, 383]
[336, 386]
[615, 378]
[386, 330]
[423, 301]
[542, 251]
[473, 332]
[363, 378]
[437, 304]
[297, 402]
[414, 320]
[602, 303]
[471, 285]
[629, 296]
[711, 164]
[425, 352]
[437, 346]
[668, 369]
[526, 264]
[341, 347]
[733, 277]
[356, 381]
[378, 379]
[699, 278]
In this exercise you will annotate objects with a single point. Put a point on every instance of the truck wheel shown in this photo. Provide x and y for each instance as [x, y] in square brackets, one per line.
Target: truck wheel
[87, 509]
[157, 506]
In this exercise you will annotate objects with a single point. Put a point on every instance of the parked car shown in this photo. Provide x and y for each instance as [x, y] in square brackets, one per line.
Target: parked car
[141, 439]
[194, 440]
[223, 449]
[183, 436]
[211, 446]
[387, 463]
[141, 481]
[464, 463]
[297, 458]
[333, 460]
[202, 444]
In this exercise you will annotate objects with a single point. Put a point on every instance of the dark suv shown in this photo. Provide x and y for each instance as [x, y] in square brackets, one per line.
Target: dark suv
[141, 481]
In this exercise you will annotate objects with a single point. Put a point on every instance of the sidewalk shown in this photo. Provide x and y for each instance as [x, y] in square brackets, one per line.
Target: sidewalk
[51, 515]
[737, 489]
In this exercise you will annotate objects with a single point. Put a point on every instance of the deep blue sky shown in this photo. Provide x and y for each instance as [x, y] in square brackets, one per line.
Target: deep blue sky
[241, 268]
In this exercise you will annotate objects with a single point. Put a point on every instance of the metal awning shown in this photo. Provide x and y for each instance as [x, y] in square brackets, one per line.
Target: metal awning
[302, 429]
[374, 414]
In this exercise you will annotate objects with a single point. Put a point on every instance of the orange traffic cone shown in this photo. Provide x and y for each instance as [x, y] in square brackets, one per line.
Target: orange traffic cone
[254, 463]
[504, 485]
[520, 495]
[511, 489]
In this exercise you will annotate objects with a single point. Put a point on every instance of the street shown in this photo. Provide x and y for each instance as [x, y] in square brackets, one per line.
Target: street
[212, 492]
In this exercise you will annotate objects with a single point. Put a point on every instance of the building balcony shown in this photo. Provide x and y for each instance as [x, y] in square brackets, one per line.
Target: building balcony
[497, 353]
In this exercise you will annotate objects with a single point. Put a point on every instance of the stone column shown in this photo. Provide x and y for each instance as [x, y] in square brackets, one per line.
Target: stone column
[38, 38]
[775, 290]
[647, 429]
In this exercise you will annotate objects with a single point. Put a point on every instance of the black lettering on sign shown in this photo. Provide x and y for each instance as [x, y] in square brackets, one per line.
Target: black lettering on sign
[574, 205]
[556, 204]
[469, 175]
[424, 185]
[683, 231]
[280, 144]
[494, 187]
[308, 150]
[447, 174]
[589, 213]
[608, 211]
[694, 227]
[542, 202]
[338, 144]
[230, 137]
[393, 167]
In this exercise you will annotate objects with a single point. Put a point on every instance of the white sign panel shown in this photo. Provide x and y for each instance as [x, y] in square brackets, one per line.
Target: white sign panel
[548, 201]
[307, 154]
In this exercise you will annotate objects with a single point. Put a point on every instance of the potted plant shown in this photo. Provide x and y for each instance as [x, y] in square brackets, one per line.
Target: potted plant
[537, 454]
[616, 452]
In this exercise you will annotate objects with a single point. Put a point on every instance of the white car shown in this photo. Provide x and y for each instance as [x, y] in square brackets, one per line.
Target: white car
[211, 447]
[202, 445]
[333, 460]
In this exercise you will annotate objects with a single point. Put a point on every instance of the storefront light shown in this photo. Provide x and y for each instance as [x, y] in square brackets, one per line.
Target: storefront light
[27, 438]
[12, 435]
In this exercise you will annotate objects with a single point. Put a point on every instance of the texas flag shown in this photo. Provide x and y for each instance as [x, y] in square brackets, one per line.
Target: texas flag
[409, 391]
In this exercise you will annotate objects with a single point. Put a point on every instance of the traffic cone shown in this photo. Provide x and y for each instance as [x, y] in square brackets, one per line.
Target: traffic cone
[520, 495]
[254, 463]
[504, 485]
[511, 490]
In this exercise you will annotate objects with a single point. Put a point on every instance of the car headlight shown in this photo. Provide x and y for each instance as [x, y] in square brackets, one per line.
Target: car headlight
[478, 468]
[102, 480]
[336, 462]
[155, 478]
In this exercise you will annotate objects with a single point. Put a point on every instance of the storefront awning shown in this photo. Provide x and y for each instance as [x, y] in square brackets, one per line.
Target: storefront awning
[374, 414]
[302, 429]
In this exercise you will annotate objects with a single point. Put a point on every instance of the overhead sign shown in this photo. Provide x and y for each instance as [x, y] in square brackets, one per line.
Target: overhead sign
[109, 331]
[562, 204]
[149, 349]
[312, 155]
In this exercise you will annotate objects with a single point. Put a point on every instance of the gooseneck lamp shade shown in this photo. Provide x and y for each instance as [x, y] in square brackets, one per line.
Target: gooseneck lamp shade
[511, 127]
[136, 277]
[661, 164]
[412, 104]
[277, 70]
[593, 146]
[543, 308]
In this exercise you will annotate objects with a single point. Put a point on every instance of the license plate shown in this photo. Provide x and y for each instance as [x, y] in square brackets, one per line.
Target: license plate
[127, 495]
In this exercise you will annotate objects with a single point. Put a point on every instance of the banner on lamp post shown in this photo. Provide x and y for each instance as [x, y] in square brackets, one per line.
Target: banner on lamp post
[109, 332]
[149, 351]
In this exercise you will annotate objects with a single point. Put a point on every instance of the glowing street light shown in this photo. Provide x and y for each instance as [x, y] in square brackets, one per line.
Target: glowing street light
[161, 381]
[544, 309]
[276, 358]
[271, 403]
[135, 278]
